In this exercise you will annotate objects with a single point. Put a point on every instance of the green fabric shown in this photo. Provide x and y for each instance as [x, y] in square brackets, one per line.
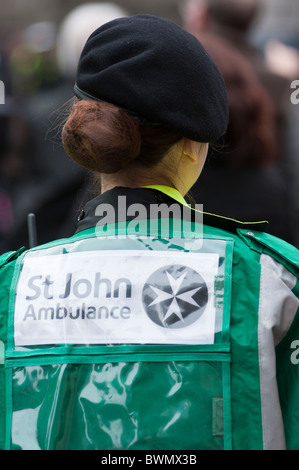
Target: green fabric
[247, 426]
[279, 249]
[167, 393]
[225, 396]
[244, 386]
[245, 383]
[103, 406]
[287, 370]
[6, 273]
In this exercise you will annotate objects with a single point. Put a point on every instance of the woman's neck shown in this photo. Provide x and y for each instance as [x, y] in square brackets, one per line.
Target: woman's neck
[135, 180]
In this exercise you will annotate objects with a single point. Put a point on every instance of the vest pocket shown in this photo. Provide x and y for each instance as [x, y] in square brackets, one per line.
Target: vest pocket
[102, 403]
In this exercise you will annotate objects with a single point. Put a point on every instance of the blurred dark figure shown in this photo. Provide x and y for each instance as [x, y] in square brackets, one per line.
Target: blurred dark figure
[227, 18]
[243, 178]
[232, 20]
[15, 146]
[57, 187]
[276, 34]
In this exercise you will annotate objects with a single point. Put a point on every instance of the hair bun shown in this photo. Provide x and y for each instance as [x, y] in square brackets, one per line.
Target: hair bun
[101, 137]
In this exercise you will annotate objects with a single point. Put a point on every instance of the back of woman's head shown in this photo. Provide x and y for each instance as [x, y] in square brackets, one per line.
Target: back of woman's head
[163, 86]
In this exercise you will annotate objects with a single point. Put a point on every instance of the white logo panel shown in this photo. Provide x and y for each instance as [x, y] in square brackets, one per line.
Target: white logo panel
[116, 297]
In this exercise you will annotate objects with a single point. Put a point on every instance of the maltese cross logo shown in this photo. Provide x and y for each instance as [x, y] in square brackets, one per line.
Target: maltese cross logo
[175, 296]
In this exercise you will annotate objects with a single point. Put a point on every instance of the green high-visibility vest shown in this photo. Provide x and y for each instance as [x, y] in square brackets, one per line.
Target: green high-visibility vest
[128, 341]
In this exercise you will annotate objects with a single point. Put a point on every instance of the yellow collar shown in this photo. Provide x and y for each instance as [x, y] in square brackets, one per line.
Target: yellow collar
[171, 192]
[176, 195]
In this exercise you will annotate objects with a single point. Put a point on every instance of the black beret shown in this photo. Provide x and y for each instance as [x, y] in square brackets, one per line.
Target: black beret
[156, 70]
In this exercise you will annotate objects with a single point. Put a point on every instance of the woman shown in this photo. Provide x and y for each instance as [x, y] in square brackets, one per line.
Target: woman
[143, 331]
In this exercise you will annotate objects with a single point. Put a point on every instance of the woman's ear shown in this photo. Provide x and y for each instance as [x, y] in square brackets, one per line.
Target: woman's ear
[191, 150]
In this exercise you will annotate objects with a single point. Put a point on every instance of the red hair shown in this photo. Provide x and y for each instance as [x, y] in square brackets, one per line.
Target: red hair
[104, 138]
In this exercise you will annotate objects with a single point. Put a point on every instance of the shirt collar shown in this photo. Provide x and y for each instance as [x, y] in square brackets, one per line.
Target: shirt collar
[151, 194]
[169, 191]
[175, 194]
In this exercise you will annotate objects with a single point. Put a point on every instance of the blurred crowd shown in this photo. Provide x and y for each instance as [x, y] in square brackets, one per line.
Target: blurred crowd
[251, 174]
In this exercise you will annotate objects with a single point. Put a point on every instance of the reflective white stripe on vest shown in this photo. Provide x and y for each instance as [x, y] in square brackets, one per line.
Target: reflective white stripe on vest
[116, 297]
[277, 310]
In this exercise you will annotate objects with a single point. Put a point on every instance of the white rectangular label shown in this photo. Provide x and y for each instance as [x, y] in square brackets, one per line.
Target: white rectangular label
[129, 297]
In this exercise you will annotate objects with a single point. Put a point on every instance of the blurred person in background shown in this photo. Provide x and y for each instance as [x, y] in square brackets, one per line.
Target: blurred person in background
[247, 158]
[233, 21]
[56, 187]
[276, 35]
[260, 175]
[15, 148]
[229, 18]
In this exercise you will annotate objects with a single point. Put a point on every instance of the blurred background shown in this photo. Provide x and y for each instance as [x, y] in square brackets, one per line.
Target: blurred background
[251, 174]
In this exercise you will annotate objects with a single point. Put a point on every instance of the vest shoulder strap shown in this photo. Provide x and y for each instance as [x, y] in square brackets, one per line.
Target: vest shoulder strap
[280, 250]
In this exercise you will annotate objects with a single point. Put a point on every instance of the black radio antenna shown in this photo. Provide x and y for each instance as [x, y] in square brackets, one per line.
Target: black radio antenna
[32, 234]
